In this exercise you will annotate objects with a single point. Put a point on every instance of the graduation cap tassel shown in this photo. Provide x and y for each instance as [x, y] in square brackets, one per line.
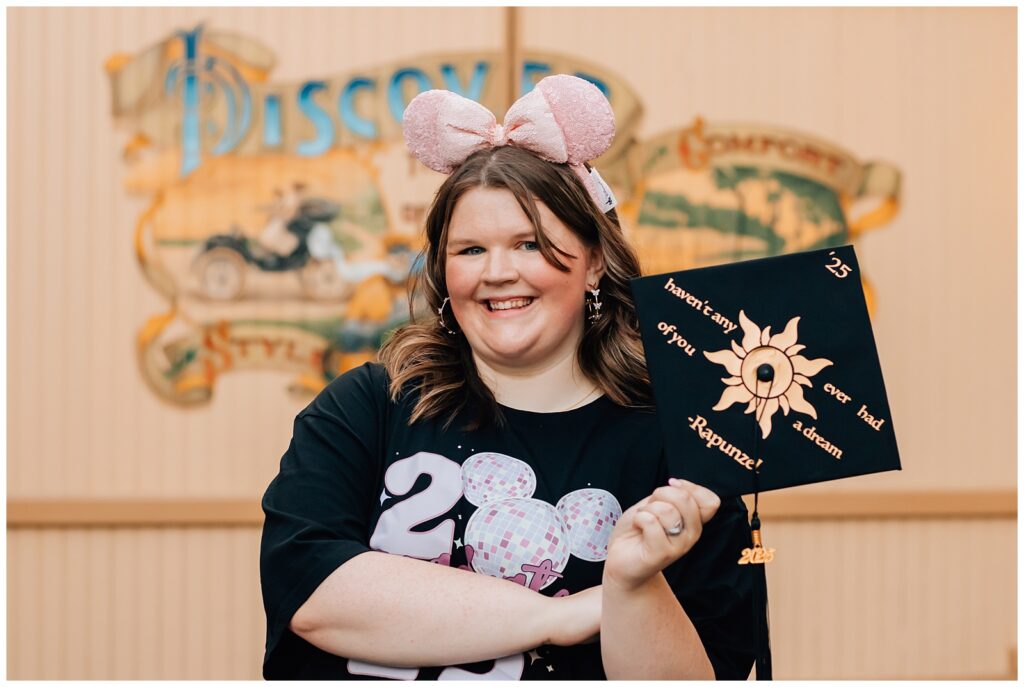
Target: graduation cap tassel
[758, 554]
[763, 645]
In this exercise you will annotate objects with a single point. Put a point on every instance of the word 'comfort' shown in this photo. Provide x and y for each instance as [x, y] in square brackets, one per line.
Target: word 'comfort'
[700, 306]
[715, 440]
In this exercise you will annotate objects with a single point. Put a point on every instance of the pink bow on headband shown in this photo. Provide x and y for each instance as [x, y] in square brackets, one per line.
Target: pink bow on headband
[563, 119]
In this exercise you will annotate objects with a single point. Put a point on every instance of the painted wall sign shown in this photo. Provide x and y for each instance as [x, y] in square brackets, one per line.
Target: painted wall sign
[708, 193]
[284, 218]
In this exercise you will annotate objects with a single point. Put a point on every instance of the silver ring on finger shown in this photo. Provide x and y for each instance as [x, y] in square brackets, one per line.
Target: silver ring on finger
[676, 530]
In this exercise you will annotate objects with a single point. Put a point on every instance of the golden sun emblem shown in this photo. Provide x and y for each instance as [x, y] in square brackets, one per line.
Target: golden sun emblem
[767, 373]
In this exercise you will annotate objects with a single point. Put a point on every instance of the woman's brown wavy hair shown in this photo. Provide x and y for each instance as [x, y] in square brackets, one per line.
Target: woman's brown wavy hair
[422, 357]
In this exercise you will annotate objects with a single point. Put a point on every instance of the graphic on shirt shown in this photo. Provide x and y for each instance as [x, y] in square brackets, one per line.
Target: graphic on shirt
[510, 535]
[374, 670]
[589, 516]
[788, 372]
[513, 536]
[491, 476]
[507, 668]
[394, 532]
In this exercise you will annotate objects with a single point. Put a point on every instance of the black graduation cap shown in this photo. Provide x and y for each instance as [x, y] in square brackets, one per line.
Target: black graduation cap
[765, 372]
[766, 375]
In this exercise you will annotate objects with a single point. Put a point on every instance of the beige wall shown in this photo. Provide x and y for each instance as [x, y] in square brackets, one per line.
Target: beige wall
[873, 599]
[932, 91]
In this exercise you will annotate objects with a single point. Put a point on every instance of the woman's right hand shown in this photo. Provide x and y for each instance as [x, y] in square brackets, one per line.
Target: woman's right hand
[640, 545]
[575, 619]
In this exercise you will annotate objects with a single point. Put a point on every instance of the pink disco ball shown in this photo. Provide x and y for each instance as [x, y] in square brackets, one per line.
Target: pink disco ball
[493, 476]
[509, 534]
[589, 516]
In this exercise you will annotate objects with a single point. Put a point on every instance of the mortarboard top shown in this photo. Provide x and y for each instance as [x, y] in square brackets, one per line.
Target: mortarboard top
[765, 372]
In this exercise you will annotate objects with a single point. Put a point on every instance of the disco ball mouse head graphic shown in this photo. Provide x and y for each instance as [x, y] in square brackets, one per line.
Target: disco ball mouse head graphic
[511, 532]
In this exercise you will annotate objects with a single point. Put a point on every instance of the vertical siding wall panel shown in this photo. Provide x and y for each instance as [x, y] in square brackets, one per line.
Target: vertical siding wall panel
[74, 623]
[106, 638]
[51, 270]
[24, 173]
[197, 573]
[890, 599]
[79, 284]
[16, 312]
[171, 603]
[126, 618]
[51, 593]
[20, 624]
[150, 602]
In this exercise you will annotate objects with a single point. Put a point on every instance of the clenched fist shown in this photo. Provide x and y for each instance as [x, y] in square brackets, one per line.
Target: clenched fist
[643, 544]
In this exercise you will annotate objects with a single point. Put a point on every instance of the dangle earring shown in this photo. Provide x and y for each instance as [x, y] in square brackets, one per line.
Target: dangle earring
[593, 305]
[440, 315]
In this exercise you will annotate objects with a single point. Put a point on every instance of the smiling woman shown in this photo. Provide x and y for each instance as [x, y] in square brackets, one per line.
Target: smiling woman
[516, 248]
[516, 308]
[508, 225]
[503, 437]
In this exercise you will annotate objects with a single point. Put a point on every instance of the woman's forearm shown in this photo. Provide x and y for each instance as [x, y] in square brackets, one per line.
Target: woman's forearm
[402, 612]
[646, 635]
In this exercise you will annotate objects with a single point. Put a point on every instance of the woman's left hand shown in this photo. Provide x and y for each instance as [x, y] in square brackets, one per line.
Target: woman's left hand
[641, 546]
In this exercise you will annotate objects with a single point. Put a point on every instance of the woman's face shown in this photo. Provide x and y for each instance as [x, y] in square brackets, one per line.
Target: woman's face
[515, 308]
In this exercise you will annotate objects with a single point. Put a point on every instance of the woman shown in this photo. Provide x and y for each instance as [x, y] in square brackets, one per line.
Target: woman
[504, 436]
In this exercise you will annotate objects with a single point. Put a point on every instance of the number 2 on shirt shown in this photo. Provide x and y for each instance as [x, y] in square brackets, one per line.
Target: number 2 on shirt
[393, 533]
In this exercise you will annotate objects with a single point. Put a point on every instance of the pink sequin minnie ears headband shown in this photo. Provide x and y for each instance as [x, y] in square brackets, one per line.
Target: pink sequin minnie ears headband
[564, 119]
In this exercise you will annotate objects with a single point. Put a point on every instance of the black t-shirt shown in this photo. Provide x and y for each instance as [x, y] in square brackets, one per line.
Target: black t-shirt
[533, 502]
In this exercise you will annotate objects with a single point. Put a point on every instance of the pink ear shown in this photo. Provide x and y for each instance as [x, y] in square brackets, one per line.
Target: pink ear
[431, 136]
[582, 112]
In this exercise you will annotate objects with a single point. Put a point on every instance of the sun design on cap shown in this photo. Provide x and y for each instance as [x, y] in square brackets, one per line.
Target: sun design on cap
[767, 373]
